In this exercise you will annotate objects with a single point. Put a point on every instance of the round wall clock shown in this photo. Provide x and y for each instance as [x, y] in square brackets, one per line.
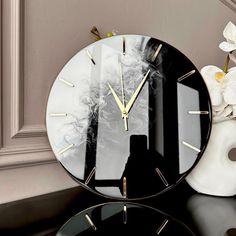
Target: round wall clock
[123, 219]
[128, 117]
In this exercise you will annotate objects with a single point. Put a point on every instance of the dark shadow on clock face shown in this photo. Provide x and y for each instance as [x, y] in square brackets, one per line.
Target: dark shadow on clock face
[168, 124]
[122, 219]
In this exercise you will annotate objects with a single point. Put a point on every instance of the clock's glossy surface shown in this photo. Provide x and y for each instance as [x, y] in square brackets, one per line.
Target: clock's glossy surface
[128, 116]
[123, 219]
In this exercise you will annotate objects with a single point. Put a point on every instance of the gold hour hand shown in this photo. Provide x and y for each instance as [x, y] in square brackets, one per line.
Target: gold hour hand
[136, 93]
[118, 101]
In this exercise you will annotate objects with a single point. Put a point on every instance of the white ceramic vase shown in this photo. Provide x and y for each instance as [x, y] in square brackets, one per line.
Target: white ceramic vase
[215, 174]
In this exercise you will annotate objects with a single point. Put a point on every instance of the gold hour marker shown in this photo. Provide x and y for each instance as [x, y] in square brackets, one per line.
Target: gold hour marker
[162, 226]
[90, 222]
[66, 82]
[124, 188]
[186, 75]
[58, 114]
[66, 148]
[125, 214]
[191, 146]
[90, 56]
[198, 112]
[90, 175]
[156, 53]
[162, 177]
[123, 45]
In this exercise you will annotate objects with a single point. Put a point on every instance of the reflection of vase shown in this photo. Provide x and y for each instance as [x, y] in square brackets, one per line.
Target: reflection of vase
[215, 174]
[213, 216]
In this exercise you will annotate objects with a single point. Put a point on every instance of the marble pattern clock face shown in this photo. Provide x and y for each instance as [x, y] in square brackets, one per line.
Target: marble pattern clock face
[128, 116]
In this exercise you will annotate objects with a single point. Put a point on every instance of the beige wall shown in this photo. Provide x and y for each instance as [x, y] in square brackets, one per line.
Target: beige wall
[39, 36]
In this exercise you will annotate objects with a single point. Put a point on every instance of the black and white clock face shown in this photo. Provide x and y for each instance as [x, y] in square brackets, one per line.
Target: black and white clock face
[128, 116]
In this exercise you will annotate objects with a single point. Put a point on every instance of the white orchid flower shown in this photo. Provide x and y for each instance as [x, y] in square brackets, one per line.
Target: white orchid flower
[230, 35]
[222, 90]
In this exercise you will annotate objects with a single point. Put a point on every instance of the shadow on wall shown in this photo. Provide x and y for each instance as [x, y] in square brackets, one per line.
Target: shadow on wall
[230, 3]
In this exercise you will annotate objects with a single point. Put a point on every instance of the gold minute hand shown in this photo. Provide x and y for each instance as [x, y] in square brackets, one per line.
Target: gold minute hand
[124, 114]
[118, 101]
[136, 93]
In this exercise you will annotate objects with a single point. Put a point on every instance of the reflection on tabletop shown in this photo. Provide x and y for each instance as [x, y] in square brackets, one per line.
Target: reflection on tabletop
[122, 218]
[213, 216]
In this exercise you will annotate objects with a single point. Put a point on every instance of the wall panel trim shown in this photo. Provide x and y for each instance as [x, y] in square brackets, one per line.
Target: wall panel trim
[1, 96]
[29, 131]
[33, 150]
[18, 129]
[17, 91]
[15, 158]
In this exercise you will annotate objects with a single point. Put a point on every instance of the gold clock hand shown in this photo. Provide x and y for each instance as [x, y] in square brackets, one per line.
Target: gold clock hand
[136, 93]
[118, 101]
[125, 117]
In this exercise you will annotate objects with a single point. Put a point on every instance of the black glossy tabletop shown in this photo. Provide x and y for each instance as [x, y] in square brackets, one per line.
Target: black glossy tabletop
[188, 211]
[122, 218]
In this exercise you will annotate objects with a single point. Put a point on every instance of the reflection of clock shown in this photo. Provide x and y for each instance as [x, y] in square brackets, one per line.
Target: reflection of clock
[128, 116]
[122, 219]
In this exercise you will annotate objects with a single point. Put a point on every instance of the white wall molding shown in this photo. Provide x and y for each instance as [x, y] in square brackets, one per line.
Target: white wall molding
[24, 156]
[29, 152]
[30, 131]
[17, 91]
[15, 158]
[1, 133]
[22, 150]
[18, 129]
